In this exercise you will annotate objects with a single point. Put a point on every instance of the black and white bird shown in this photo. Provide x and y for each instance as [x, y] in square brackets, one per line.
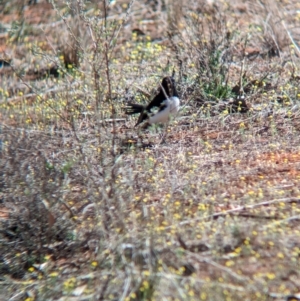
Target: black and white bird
[164, 105]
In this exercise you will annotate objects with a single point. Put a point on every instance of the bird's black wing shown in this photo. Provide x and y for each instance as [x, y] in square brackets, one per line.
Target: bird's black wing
[158, 102]
[165, 91]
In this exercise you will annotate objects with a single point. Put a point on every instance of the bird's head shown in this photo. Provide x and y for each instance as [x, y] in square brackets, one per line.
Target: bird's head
[168, 86]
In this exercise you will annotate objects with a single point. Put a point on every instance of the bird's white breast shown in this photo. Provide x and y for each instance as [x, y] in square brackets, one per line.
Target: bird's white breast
[174, 105]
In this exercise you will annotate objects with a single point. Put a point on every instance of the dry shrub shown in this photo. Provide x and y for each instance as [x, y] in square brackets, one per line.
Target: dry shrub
[32, 189]
[206, 45]
[274, 38]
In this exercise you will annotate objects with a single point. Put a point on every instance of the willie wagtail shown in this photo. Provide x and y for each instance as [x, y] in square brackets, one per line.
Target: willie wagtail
[165, 104]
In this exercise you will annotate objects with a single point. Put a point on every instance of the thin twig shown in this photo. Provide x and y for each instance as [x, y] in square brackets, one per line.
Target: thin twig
[220, 267]
[290, 37]
[227, 212]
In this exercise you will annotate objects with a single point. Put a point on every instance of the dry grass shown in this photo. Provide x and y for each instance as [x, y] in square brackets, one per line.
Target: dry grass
[92, 210]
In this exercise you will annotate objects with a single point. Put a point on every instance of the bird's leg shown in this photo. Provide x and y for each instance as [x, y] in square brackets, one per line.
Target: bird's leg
[140, 137]
[165, 133]
[141, 133]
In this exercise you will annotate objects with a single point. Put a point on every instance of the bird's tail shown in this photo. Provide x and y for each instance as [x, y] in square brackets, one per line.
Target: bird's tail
[133, 108]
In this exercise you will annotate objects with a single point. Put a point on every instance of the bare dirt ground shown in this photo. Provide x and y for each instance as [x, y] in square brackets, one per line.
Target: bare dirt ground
[93, 209]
